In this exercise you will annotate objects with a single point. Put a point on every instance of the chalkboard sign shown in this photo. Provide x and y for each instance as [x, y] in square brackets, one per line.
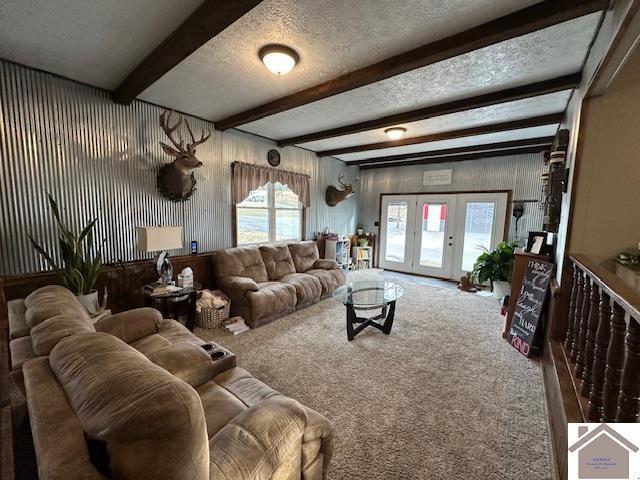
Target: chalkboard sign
[528, 310]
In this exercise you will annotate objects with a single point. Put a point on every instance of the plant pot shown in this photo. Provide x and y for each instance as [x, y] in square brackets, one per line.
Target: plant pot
[89, 301]
[500, 289]
[360, 231]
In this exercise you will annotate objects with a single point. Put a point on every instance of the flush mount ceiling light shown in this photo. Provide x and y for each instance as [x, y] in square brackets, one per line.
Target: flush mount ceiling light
[395, 133]
[278, 58]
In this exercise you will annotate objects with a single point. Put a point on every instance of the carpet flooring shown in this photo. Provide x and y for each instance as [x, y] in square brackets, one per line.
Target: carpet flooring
[442, 397]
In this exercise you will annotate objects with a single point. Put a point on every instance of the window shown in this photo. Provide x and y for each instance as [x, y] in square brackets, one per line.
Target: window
[269, 214]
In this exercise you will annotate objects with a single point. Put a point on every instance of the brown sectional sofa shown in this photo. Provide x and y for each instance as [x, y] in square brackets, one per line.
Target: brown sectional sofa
[142, 395]
[271, 281]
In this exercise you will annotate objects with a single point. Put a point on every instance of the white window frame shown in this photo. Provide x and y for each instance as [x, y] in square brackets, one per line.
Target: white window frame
[271, 212]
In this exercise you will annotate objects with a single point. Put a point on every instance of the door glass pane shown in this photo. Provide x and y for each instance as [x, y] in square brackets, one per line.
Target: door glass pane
[434, 219]
[287, 225]
[478, 226]
[396, 231]
[253, 225]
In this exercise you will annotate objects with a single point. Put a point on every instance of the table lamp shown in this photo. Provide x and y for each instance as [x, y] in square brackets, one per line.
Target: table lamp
[160, 239]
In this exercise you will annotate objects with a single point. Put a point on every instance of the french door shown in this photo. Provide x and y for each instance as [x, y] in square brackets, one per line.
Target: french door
[439, 235]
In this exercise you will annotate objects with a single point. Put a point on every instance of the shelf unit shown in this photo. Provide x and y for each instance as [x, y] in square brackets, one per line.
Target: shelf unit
[339, 251]
[362, 257]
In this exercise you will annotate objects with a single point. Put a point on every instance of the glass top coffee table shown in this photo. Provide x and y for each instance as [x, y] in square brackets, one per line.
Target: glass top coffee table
[369, 295]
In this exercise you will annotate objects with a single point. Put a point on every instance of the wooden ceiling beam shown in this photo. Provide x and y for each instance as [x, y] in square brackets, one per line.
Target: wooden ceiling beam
[538, 121]
[458, 150]
[536, 17]
[459, 158]
[508, 95]
[207, 21]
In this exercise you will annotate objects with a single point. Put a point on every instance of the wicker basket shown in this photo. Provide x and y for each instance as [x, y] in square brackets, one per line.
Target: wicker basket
[212, 317]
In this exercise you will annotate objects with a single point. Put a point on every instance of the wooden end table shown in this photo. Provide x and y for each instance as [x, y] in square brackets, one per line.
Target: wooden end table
[170, 303]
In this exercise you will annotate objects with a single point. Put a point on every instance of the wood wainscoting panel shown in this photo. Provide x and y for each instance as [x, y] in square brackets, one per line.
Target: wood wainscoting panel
[124, 281]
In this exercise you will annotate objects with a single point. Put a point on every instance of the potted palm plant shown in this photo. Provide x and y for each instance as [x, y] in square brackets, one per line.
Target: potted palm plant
[496, 267]
[81, 261]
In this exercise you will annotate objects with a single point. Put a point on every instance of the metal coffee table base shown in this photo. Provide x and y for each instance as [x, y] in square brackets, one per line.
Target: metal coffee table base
[387, 314]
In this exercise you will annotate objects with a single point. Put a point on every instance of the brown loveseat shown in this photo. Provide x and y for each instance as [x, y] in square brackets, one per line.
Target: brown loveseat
[271, 281]
[149, 402]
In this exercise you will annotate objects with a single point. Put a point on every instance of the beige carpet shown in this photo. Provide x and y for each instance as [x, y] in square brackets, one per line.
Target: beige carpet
[442, 397]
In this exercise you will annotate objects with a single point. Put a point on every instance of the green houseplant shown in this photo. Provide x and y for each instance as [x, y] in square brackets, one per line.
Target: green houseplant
[81, 261]
[495, 267]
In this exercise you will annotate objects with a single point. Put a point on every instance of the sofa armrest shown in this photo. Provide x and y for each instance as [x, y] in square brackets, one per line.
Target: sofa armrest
[317, 446]
[236, 283]
[259, 440]
[325, 264]
[131, 325]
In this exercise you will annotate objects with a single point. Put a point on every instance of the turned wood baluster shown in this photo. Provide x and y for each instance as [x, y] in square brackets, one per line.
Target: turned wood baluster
[603, 336]
[568, 341]
[615, 361]
[576, 316]
[590, 344]
[584, 321]
[629, 401]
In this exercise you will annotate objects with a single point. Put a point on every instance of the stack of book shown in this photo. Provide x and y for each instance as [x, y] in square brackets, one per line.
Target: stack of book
[158, 288]
[236, 325]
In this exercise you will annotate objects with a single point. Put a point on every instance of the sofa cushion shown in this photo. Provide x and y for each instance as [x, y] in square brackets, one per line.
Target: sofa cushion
[277, 260]
[139, 409]
[263, 442]
[273, 298]
[329, 279]
[17, 322]
[242, 262]
[21, 351]
[46, 335]
[49, 291]
[308, 288]
[304, 255]
[51, 304]
[244, 386]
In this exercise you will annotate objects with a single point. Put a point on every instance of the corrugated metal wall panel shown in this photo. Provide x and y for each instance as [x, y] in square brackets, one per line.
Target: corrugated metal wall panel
[519, 173]
[99, 159]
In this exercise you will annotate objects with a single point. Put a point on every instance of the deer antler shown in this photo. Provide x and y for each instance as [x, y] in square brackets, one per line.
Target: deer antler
[345, 185]
[191, 147]
[165, 118]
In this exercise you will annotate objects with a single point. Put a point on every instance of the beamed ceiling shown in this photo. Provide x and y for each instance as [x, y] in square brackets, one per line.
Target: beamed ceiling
[462, 76]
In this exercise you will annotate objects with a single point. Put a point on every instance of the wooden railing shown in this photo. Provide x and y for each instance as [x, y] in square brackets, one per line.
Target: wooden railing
[602, 342]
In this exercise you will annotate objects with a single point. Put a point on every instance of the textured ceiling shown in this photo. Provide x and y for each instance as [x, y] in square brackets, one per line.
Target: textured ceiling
[548, 53]
[333, 37]
[94, 42]
[100, 42]
[542, 105]
[524, 133]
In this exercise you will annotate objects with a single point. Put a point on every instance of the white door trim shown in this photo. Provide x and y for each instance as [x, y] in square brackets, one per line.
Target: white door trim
[406, 265]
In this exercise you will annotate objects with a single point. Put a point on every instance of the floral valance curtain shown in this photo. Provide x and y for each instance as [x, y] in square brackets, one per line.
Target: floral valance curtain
[247, 177]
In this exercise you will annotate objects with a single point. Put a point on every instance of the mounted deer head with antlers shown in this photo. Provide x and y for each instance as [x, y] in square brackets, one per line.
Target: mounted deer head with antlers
[176, 180]
[334, 195]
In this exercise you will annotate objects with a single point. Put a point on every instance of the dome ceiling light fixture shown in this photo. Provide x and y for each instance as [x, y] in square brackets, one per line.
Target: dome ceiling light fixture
[395, 133]
[279, 59]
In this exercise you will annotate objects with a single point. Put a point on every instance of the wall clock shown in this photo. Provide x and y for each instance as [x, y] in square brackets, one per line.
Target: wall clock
[273, 157]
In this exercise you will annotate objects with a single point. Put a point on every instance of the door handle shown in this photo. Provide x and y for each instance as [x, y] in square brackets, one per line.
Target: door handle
[450, 243]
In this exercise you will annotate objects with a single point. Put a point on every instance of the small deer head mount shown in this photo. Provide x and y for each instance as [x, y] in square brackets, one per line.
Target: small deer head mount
[176, 180]
[334, 195]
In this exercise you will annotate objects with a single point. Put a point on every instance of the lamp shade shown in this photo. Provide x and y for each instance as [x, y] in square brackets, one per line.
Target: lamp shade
[155, 239]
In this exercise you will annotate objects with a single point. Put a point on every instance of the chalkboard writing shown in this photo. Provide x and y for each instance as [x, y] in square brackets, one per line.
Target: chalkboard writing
[528, 310]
